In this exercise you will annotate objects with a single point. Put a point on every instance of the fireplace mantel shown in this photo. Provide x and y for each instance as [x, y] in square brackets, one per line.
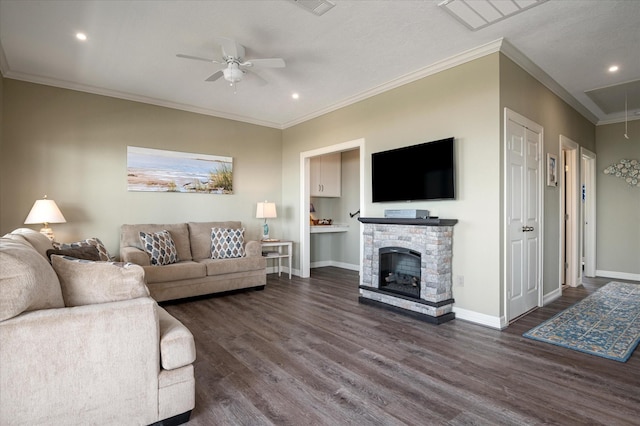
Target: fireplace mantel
[400, 221]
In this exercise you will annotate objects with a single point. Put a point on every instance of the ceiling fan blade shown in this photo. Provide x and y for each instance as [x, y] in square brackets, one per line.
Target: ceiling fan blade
[216, 75]
[265, 63]
[230, 48]
[198, 58]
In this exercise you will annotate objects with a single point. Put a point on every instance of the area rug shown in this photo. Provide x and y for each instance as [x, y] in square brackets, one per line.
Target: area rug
[605, 323]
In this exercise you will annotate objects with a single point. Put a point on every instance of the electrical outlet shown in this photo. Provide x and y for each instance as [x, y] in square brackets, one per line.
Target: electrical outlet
[459, 280]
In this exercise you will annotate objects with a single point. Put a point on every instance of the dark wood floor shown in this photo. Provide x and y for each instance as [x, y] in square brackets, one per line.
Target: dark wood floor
[305, 352]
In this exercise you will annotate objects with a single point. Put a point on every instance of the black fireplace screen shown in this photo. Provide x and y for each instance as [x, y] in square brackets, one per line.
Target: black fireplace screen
[400, 271]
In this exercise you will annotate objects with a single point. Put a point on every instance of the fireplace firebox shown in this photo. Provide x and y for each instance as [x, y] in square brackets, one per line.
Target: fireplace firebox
[400, 271]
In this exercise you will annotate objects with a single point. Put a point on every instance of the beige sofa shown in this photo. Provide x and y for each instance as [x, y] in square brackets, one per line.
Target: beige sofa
[82, 343]
[195, 273]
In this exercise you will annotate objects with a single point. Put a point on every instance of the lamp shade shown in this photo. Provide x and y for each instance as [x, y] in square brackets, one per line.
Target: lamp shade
[45, 211]
[266, 210]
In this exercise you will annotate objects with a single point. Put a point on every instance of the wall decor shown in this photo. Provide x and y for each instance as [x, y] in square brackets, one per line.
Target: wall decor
[629, 170]
[159, 170]
[552, 170]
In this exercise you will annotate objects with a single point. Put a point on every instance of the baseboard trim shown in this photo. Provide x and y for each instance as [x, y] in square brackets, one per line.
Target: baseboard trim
[618, 275]
[342, 265]
[481, 319]
[550, 297]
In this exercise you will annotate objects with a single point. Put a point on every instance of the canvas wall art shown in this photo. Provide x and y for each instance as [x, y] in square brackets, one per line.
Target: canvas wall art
[159, 170]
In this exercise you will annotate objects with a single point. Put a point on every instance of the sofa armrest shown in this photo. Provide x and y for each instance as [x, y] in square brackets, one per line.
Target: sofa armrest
[253, 248]
[135, 255]
[177, 348]
[92, 363]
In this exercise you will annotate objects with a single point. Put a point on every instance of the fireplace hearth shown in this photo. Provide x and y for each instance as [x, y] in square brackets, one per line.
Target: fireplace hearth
[407, 266]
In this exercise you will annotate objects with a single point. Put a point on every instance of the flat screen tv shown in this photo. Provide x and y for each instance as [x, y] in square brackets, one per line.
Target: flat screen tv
[418, 172]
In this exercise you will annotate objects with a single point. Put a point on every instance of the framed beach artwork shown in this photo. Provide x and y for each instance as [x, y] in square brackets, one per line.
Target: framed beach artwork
[157, 170]
[552, 170]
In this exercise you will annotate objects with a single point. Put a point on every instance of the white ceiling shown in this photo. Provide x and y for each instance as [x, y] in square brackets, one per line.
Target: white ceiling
[357, 49]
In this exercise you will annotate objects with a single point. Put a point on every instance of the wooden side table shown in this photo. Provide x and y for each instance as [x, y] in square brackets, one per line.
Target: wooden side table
[278, 249]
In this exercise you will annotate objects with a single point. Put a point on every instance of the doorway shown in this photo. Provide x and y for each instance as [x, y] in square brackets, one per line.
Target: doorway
[570, 270]
[523, 204]
[305, 179]
[588, 212]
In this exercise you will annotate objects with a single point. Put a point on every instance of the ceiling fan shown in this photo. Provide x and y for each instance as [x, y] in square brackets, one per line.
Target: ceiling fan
[236, 64]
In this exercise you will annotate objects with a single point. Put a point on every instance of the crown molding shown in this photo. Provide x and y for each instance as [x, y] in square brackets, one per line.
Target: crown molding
[528, 65]
[453, 61]
[617, 120]
[500, 45]
[135, 98]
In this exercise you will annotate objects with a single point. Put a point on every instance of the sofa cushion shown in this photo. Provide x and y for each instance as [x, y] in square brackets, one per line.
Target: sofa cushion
[130, 237]
[200, 236]
[227, 243]
[38, 241]
[27, 281]
[85, 283]
[160, 246]
[230, 266]
[175, 272]
[177, 347]
[89, 242]
[86, 253]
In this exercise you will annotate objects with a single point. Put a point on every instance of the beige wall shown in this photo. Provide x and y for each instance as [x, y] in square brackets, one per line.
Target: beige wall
[72, 146]
[522, 93]
[618, 204]
[461, 102]
[1, 119]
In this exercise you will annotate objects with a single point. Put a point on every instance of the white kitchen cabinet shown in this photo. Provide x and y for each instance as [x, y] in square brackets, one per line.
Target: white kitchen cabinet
[325, 175]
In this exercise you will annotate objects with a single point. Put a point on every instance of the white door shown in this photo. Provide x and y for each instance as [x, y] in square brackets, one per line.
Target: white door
[588, 204]
[523, 140]
[570, 272]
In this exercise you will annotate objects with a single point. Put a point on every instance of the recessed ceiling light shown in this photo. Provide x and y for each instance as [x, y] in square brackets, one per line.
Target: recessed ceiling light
[81, 36]
[613, 68]
[295, 96]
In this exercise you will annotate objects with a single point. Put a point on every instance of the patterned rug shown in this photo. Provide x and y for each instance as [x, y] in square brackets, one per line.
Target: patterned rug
[605, 323]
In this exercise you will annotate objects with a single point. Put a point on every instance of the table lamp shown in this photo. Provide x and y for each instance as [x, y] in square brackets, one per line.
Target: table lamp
[45, 211]
[266, 211]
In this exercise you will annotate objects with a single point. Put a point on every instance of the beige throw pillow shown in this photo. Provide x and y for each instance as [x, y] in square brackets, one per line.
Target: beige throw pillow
[84, 282]
[27, 281]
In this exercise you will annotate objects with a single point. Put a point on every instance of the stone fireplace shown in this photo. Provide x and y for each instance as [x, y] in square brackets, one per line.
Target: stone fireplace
[407, 266]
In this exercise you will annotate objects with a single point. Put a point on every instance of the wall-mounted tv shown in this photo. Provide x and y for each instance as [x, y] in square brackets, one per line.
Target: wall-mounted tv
[418, 172]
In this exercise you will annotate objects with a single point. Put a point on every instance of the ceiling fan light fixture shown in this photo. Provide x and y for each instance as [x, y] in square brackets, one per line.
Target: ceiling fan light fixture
[233, 73]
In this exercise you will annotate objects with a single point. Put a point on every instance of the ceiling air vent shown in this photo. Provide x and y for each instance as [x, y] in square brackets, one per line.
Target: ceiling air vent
[317, 7]
[477, 14]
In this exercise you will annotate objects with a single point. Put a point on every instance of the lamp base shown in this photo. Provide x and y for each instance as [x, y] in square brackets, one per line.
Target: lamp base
[265, 231]
[47, 232]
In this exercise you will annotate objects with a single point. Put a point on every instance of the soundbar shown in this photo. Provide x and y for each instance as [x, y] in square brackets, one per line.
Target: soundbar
[406, 214]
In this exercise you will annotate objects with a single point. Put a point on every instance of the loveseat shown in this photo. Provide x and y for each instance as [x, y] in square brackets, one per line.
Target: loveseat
[82, 343]
[194, 258]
